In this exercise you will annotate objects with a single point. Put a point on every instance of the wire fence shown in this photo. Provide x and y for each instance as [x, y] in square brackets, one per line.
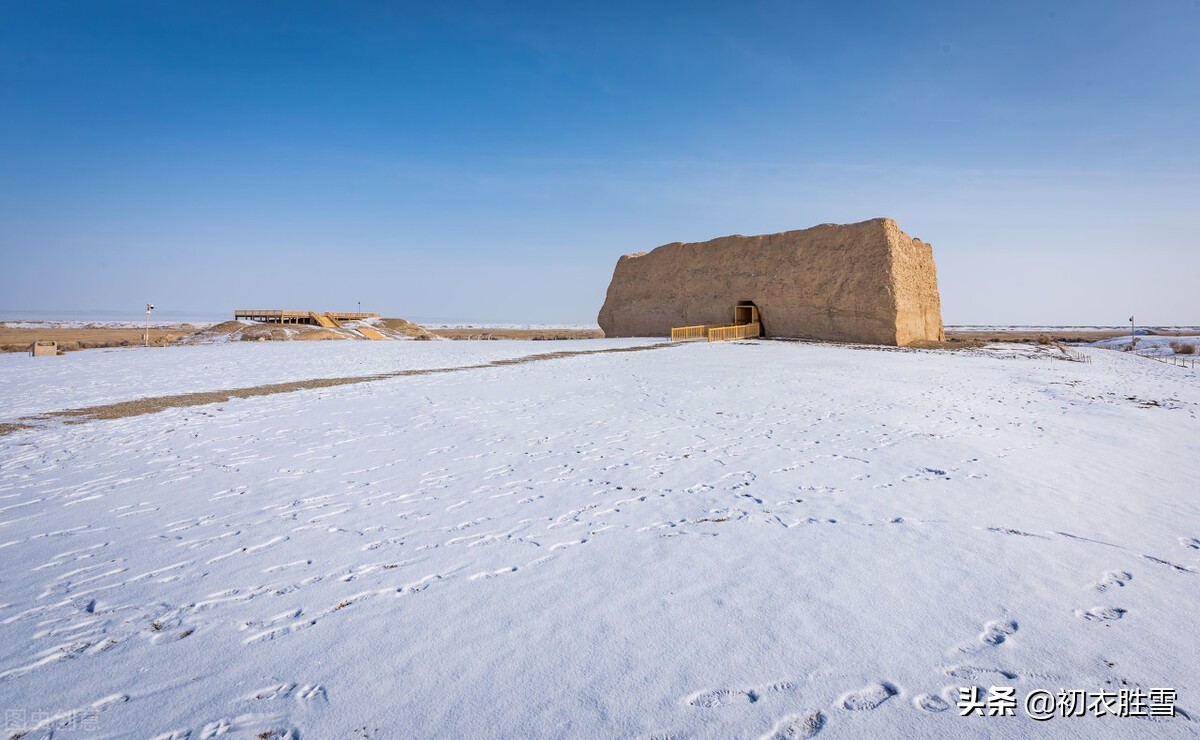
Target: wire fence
[1173, 360]
[1075, 355]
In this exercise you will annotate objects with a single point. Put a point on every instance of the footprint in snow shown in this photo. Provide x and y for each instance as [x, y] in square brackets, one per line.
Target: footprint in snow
[735, 481]
[867, 698]
[308, 695]
[994, 633]
[722, 697]
[278, 691]
[267, 727]
[997, 631]
[973, 673]
[1016, 532]
[1100, 614]
[163, 632]
[930, 703]
[1112, 579]
[1191, 543]
[796, 727]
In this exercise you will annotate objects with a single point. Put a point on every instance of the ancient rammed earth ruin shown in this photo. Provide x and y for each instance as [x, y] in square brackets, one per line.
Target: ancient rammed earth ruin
[866, 282]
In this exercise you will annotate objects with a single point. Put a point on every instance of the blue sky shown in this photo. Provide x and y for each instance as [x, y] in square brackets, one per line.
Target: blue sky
[491, 161]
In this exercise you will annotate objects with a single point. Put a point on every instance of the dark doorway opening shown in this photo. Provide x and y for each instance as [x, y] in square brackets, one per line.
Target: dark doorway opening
[745, 312]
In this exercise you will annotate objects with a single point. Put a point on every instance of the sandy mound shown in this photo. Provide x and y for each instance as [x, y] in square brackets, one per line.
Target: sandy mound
[248, 331]
[399, 328]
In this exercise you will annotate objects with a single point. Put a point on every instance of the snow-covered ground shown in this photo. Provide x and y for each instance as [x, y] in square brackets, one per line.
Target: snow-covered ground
[38, 384]
[1155, 346]
[494, 325]
[93, 324]
[1052, 328]
[710, 540]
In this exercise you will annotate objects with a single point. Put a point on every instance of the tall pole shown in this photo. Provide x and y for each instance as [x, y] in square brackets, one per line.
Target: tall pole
[149, 308]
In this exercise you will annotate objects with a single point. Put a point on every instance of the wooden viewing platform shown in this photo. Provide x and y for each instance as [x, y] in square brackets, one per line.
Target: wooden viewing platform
[329, 319]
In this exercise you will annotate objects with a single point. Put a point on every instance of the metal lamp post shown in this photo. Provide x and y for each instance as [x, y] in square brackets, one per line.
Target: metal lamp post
[149, 308]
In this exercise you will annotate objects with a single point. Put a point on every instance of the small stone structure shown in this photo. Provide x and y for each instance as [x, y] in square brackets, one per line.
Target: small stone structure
[866, 282]
[43, 348]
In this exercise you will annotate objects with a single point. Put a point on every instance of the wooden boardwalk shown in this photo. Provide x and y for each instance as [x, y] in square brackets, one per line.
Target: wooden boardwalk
[328, 319]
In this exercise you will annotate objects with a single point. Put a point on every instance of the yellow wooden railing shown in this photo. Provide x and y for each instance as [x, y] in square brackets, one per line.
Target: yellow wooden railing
[684, 333]
[736, 331]
[716, 333]
[323, 319]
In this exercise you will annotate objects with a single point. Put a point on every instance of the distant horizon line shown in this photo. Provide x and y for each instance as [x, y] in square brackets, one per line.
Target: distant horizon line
[186, 316]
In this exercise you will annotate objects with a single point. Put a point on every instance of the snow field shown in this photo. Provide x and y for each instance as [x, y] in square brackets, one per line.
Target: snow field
[30, 385]
[1150, 345]
[726, 540]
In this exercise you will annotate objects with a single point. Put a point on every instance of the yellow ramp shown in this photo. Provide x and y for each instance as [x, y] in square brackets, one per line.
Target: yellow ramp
[323, 320]
[370, 333]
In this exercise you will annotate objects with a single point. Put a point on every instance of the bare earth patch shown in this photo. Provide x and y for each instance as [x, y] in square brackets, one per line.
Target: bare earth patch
[18, 339]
